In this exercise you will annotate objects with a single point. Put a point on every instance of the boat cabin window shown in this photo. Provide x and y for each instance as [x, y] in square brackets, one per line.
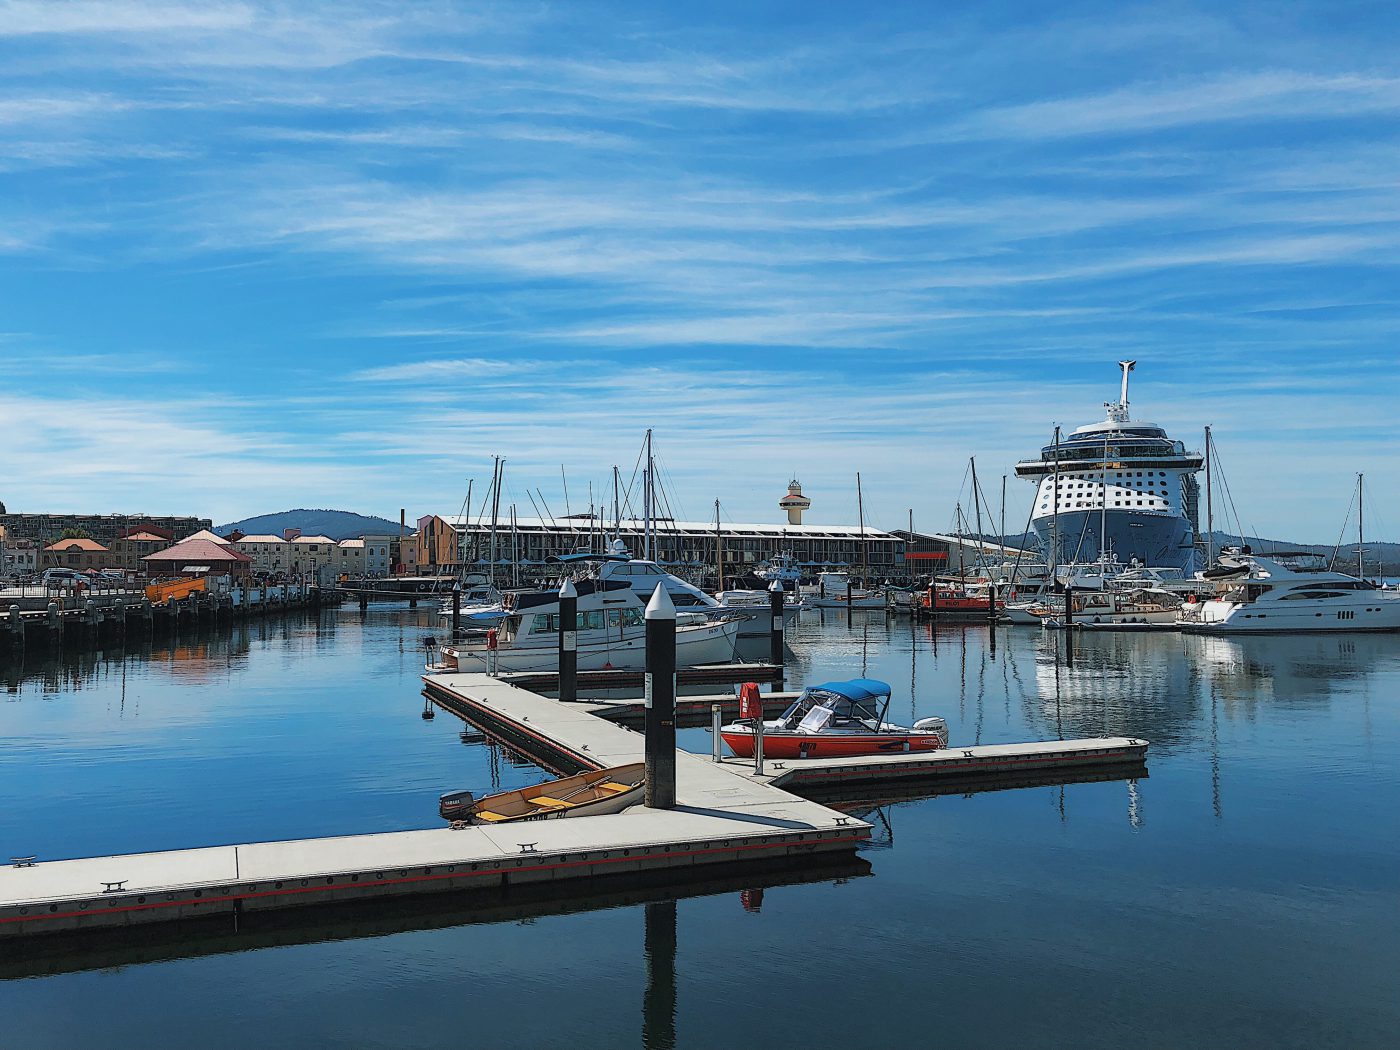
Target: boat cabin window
[1309, 595]
[624, 617]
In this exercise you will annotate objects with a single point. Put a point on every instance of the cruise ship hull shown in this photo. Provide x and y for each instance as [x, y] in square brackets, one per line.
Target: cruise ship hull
[1159, 540]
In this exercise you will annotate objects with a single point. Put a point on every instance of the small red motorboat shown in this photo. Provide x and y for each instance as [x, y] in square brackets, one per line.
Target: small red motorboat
[837, 719]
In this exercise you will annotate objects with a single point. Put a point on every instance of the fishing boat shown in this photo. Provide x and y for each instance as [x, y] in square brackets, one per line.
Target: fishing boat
[834, 720]
[586, 794]
[949, 600]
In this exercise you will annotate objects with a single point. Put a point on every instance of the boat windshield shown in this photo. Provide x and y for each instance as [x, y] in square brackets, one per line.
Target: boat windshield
[819, 708]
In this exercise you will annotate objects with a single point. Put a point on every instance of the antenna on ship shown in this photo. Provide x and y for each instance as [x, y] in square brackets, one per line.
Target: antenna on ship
[1119, 413]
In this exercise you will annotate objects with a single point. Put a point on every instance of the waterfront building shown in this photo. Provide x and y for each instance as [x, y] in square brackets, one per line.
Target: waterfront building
[79, 553]
[198, 557]
[129, 549]
[314, 556]
[406, 553]
[794, 502]
[684, 546]
[438, 545]
[379, 559]
[267, 553]
[350, 557]
[932, 553]
[44, 529]
[18, 557]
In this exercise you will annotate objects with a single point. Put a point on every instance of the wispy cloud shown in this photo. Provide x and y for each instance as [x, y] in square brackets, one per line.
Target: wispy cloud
[458, 368]
[376, 235]
[1267, 95]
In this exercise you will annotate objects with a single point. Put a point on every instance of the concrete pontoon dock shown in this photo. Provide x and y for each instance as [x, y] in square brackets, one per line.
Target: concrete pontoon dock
[572, 737]
[701, 674]
[722, 817]
[725, 815]
[102, 947]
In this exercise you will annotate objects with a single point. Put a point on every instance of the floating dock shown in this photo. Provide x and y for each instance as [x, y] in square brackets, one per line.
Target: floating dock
[726, 818]
[570, 737]
[702, 674]
[722, 817]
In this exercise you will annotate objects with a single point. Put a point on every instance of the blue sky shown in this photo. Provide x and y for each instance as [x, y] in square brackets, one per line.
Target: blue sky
[256, 256]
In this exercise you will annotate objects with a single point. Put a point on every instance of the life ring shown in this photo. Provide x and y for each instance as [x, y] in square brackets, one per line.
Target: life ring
[491, 638]
[1191, 600]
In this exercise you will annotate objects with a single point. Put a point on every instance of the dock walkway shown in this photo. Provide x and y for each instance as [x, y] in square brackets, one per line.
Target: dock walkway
[576, 736]
[721, 817]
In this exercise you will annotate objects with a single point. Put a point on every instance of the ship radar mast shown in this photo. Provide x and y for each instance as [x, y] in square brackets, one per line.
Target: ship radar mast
[1118, 413]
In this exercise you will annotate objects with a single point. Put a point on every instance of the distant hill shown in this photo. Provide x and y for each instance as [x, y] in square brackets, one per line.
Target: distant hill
[1381, 557]
[337, 524]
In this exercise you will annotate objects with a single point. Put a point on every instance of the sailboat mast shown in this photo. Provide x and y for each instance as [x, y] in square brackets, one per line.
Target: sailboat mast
[719, 553]
[514, 550]
[468, 525]
[1360, 530]
[1210, 510]
[1055, 512]
[1002, 555]
[617, 507]
[864, 547]
[961, 546]
[977, 509]
[646, 503]
[495, 511]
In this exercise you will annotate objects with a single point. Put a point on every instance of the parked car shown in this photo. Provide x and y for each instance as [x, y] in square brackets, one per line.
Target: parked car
[63, 577]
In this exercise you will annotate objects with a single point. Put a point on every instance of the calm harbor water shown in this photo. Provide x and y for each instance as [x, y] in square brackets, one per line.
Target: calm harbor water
[1246, 893]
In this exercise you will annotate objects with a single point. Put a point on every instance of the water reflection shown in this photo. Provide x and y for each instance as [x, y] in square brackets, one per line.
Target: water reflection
[1300, 669]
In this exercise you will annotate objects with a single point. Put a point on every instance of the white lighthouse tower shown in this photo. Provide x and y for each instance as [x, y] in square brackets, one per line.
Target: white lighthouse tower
[794, 502]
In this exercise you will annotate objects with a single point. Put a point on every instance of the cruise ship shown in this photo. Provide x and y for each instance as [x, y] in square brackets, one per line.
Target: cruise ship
[1126, 492]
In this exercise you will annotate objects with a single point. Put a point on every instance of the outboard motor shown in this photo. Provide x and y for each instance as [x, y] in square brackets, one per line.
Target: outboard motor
[933, 727]
[456, 805]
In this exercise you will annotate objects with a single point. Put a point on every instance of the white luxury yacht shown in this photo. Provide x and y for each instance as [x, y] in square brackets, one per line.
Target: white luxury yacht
[642, 576]
[1265, 595]
[611, 633]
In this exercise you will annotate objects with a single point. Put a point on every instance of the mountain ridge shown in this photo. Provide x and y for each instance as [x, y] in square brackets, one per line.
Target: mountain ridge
[337, 524]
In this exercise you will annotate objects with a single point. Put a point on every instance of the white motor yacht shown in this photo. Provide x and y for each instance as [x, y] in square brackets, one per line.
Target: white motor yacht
[1260, 594]
[642, 576]
[611, 634]
[834, 591]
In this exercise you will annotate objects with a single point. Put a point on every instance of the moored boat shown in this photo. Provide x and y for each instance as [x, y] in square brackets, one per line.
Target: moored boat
[837, 719]
[1268, 595]
[585, 794]
[610, 634]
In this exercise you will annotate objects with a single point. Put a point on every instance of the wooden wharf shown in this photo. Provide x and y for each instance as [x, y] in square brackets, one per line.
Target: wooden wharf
[95, 619]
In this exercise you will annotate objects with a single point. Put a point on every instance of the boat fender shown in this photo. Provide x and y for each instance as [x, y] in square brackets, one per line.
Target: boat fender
[491, 638]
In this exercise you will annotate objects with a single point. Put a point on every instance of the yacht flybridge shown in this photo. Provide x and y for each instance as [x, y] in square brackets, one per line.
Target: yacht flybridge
[1267, 595]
